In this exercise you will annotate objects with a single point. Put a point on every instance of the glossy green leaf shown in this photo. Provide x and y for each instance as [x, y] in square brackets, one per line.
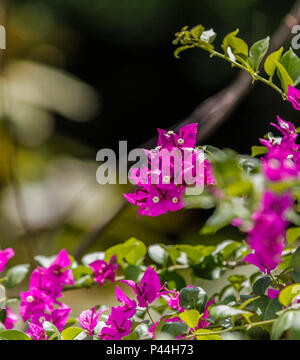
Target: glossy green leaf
[158, 254]
[261, 285]
[292, 234]
[282, 324]
[205, 334]
[190, 317]
[257, 52]
[193, 298]
[289, 294]
[13, 335]
[258, 150]
[224, 311]
[291, 62]
[284, 76]
[270, 65]
[71, 333]
[16, 275]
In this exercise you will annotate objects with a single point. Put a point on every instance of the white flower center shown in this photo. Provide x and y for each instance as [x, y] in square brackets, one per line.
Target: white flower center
[155, 199]
[170, 132]
[30, 299]
[166, 179]
[175, 200]
[180, 141]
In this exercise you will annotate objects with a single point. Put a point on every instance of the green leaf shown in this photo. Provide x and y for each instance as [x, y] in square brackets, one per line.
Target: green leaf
[13, 335]
[296, 265]
[211, 335]
[292, 234]
[175, 328]
[227, 38]
[193, 298]
[261, 285]
[265, 307]
[158, 254]
[173, 279]
[182, 48]
[284, 77]
[132, 272]
[257, 52]
[50, 329]
[3, 314]
[191, 318]
[258, 150]
[291, 62]
[136, 250]
[270, 65]
[16, 275]
[71, 333]
[237, 281]
[197, 31]
[225, 311]
[289, 294]
[282, 324]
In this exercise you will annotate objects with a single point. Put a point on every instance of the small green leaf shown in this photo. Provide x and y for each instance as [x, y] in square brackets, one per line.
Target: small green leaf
[50, 329]
[71, 333]
[197, 31]
[182, 48]
[289, 294]
[191, 318]
[261, 285]
[158, 254]
[257, 52]
[13, 335]
[285, 78]
[292, 234]
[282, 324]
[193, 298]
[291, 62]
[173, 280]
[270, 65]
[16, 275]
[226, 40]
[225, 311]
[258, 150]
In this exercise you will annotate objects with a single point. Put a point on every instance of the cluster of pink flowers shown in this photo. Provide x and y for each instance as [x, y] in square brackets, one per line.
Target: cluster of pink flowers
[281, 162]
[267, 237]
[173, 166]
[118, 324]
[40, 303]
[11, 318]
[103, 271]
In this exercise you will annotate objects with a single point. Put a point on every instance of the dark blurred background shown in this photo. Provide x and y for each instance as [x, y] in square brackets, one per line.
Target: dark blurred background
[79, 76]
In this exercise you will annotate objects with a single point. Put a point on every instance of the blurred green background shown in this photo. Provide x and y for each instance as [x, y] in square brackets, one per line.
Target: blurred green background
[79, 76]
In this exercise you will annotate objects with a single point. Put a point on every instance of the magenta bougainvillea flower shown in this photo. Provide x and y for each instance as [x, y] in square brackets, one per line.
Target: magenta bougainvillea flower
[118, 325]
[282, 160]
[5, 255]
[40, 303]
[293, 95]
[34, 303]
[103, 271]
[128, 306]
[186, 137]
[267, 236]
[53, 279]
[88, 319]
[173, 300]
[203, 322]
[273, 293]
[36, 332]
[173, 166]
[11, 319]
[149, 289]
